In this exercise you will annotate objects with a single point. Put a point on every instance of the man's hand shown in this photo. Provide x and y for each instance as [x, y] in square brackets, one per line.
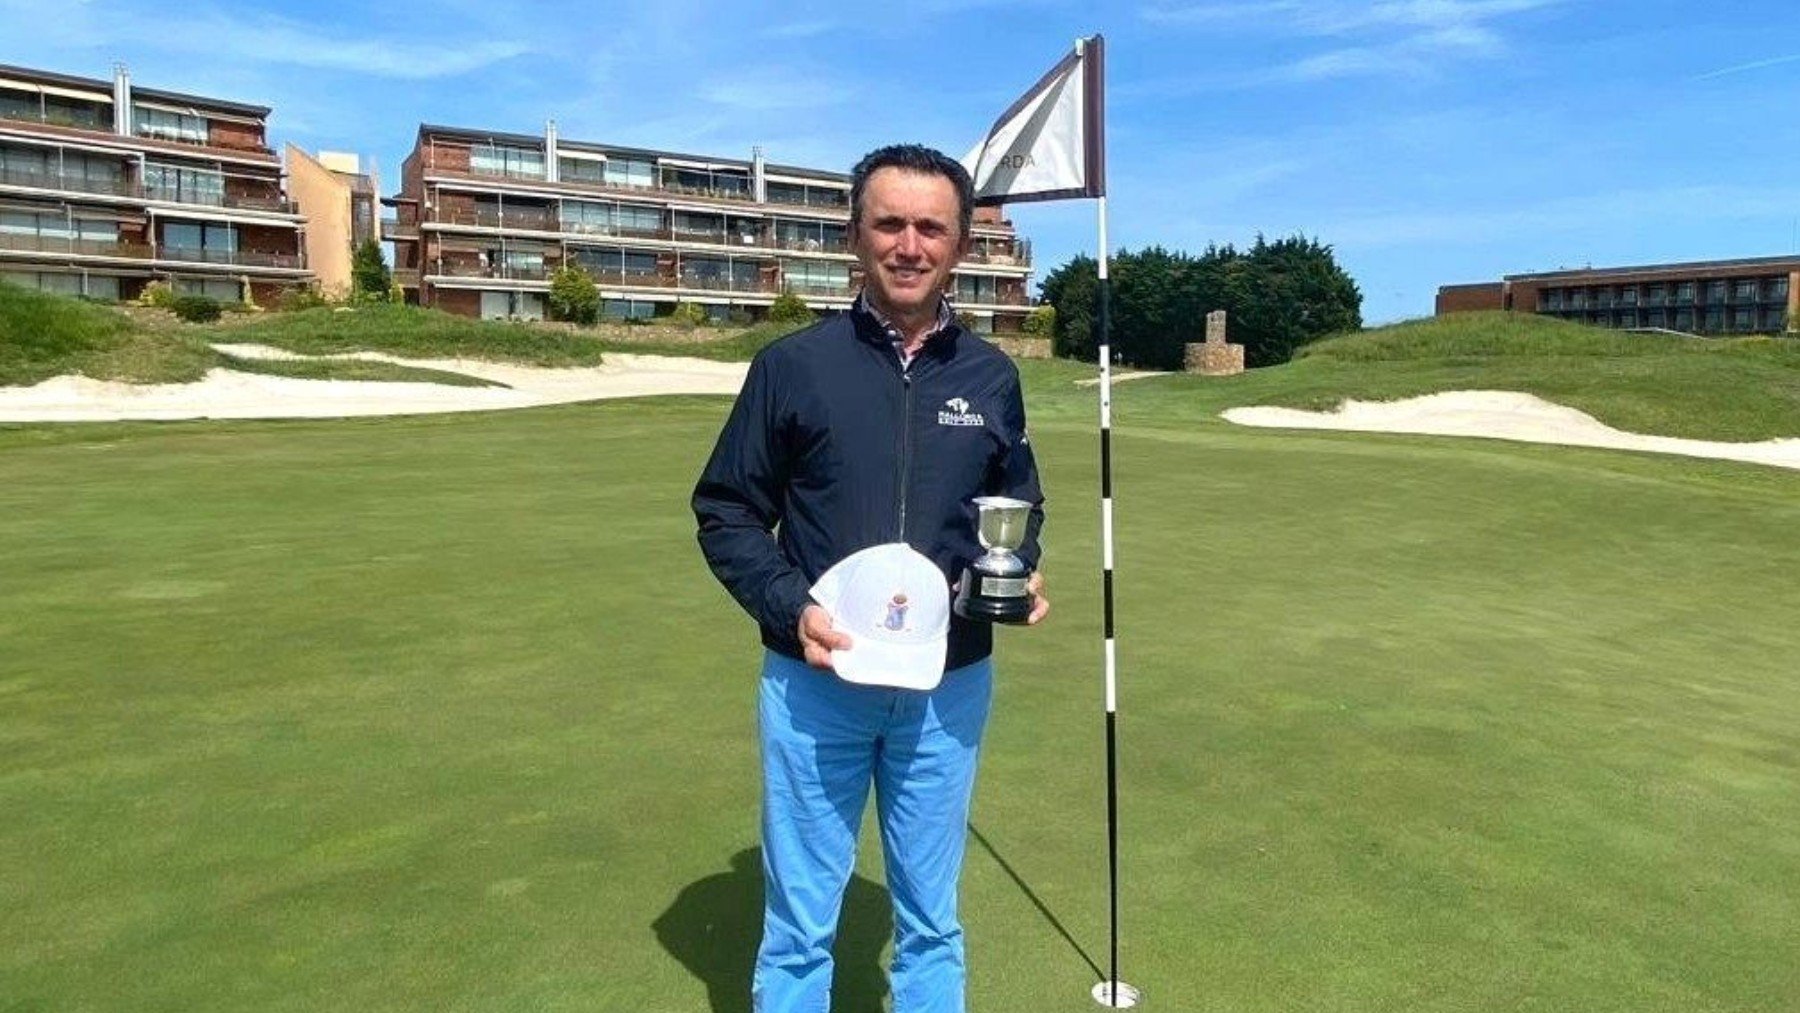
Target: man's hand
[1040, 605]
[818, 639]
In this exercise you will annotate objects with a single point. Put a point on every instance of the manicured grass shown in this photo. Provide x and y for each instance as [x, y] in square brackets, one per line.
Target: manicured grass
[445, 713]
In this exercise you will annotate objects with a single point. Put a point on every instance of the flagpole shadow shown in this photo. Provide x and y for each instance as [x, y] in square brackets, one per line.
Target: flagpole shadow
[1025, 888]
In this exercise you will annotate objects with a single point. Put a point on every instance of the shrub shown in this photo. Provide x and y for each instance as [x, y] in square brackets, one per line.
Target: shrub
[574, 296]
[687, 314]
[196, 309]
[302, 297]
[788, 308]
[1040, 322]
[157, 294]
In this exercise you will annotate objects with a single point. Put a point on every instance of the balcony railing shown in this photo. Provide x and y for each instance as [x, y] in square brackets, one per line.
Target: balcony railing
[236, 258]
[57, 118]
[673, 189]
[140, 251]
[714, 283]
[456, 269]
[83, 247]
[127, 188]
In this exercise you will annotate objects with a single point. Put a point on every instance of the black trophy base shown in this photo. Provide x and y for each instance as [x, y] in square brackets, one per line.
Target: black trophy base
[971, 604]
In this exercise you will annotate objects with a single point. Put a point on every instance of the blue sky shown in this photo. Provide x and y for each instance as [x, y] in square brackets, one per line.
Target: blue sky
[1428, 141]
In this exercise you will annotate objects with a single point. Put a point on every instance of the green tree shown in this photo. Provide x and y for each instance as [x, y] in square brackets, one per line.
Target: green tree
[369, 277]
[1040, 322]
[573, 295]
[1279, 296]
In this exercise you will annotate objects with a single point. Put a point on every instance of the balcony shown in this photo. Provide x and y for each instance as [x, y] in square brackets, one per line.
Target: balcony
[78, 247]
[455, 269]
[393, 229]
[137, 191]
[672, 189]
[97, 120]
[234, 258]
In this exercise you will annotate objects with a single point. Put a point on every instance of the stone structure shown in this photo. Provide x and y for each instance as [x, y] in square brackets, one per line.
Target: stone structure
[1215, 356]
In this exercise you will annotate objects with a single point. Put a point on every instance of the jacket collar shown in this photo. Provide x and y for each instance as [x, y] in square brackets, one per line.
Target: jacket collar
[876, 329]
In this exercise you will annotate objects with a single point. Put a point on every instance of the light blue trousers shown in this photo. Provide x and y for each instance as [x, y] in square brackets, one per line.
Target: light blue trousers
[824, 742]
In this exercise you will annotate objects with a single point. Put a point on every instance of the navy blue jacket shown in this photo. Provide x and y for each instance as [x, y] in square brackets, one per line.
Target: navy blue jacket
[832, 447]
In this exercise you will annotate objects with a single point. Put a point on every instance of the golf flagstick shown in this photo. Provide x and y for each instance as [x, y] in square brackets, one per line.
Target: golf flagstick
[1051, 145]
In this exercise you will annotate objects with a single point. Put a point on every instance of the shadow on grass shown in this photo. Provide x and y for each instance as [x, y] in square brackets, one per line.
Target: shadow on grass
[1031, 895]
[714, 924]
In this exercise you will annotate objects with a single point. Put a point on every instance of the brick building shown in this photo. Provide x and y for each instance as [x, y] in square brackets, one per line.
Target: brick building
[1752, 296]
[105, 186]
[483, 218]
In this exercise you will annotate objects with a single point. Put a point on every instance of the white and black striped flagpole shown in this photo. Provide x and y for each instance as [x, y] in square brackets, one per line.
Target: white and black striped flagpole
[1112, 992]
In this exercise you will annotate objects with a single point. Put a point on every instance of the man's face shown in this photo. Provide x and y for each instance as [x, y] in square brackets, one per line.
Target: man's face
[908, 239]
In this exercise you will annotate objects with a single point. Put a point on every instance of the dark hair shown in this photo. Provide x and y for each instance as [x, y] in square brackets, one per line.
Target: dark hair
[914, 158]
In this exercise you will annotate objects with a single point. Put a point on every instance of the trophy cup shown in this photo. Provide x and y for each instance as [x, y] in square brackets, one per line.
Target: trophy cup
[993, 586]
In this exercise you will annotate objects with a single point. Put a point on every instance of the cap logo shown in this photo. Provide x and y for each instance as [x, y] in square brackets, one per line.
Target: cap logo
[896, 613]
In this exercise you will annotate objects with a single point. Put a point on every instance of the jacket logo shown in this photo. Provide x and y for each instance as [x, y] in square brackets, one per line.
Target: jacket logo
[956, 413]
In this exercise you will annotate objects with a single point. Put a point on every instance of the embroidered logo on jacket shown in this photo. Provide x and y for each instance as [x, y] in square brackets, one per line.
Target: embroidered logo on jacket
[956, 413]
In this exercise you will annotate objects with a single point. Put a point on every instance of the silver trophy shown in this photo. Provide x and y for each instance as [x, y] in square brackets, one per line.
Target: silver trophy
[993, 586]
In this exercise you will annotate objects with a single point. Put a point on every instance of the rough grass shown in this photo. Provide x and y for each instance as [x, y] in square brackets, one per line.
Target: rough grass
[415, 333]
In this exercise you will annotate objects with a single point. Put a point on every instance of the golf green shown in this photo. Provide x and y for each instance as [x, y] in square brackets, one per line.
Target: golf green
[446, 713]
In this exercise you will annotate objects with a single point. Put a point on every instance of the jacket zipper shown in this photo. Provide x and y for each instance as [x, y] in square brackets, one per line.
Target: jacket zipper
[906, 389]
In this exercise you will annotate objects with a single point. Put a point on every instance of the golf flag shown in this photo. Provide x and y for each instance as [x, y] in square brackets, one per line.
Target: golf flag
[1051, 145]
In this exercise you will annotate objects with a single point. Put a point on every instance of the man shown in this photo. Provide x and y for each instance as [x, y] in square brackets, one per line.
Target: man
[873, 427]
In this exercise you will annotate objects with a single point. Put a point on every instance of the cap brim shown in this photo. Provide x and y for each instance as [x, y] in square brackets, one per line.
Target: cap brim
[899, 666]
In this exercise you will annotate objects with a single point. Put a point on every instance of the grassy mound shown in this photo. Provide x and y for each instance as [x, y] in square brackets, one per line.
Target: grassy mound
[44, 335]
[412, 332]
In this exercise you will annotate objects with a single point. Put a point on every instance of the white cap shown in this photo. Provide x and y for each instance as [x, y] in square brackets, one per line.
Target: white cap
[894, 604]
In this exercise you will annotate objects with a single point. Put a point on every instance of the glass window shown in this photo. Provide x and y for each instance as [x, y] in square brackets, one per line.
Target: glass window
[1743, 319]
[980, 289]
[1715, 291]
[1684, 293]
[169, 126]
[1775, 288]
[1628, 295]
[223, 291]
[1656, 295]
[1684, 320]
[810, 236]
[1715, 320]
[504, 160]
[1743, 290]
[1577, 298]
[630, 172]
[706, 228]
[627, 309]
[820, 277]
[1657, 318]
[581, 170]
[1774, 320]
[188, 186]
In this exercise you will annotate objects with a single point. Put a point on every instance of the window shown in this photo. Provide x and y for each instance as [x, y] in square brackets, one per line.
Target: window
[610, 262]
[1743, 319]
[503, 160]
[977, 289]
[818, 277]
[808, 195]
[1715, 292]
[185, 185]
[212, 288]
[1656, 295]
[1577, 299]
[581, 170]
[1628, 295]
[512, 306]
[169, 126]
[1774, 289]
[1657, 318]
[92, 286]
[1774, 320]
[720, 272]
[199, 241]
[1684, 319]
[629, 172]
[1684, 293]
[1549, 299]
[702, 228]
[811, 236]
[627, 309]
[1743, 290]
[1715, 320]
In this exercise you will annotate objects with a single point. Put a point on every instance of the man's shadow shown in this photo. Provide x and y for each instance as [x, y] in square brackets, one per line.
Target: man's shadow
[714, 925]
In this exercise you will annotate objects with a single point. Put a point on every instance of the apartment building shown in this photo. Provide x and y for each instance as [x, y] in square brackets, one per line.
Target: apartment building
[1751, 296]
[340, 203]
[105, 186]
[482, 220]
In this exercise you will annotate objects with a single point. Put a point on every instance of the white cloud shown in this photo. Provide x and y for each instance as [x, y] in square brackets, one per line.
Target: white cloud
[1744, 67]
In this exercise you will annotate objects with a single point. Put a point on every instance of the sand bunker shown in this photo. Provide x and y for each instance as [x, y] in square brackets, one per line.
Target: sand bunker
[228, 394]
[1506, 415]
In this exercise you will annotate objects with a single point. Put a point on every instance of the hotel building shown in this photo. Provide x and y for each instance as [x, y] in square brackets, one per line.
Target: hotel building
[1754, 296]
[482, 220]
[105, 187]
